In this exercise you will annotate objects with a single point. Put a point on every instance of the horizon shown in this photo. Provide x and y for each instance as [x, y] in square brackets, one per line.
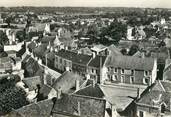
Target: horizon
[87, 3]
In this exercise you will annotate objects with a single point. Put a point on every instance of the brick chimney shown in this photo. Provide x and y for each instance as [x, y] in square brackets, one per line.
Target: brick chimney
[77, 82]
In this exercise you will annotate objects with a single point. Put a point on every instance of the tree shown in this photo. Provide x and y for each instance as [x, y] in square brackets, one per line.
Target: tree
[20, 35]
[8, 21]
[124, 51]
[113, 33]
[3, 38]
[11, 97]
[133, 49]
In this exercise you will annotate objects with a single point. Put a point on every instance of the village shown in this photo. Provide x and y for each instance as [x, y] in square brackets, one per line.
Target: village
[85, 65]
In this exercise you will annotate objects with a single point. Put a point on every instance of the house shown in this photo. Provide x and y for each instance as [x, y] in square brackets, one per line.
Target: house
[79, 106]
[129, 33]
[76, 62]
[65, 43]
[155, 101]
[86, 51]
[14, 47]
[99, 49]
[120, 99]
[32, 67]
[67, 82]
[12, 53]
[130, 70]
[95, 67]
[167, 42]
[36, 109]
[74, 106]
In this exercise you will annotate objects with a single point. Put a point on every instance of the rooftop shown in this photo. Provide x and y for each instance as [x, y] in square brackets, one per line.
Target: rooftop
[130, 62]
[74, 57]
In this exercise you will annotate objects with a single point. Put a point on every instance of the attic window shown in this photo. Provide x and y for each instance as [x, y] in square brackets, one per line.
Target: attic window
[163, 108]
[146, 73]
[146, 81]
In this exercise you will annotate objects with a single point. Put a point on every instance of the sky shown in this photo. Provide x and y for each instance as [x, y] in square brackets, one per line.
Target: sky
[89, 3]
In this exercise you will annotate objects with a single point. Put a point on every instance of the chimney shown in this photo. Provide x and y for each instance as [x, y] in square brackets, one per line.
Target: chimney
[94, 83]
[36, 58]
[77, 85]
[67, 68]
[40, 61]
[59, 93]
[138, 93]
[143, 54]
[93, 55]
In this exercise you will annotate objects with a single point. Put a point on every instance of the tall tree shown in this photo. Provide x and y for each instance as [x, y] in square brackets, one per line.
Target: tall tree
[11, 97]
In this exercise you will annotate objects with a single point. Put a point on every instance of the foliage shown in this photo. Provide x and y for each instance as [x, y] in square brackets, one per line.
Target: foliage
[113, 33]
[133, 49]
[3, 38]
[11, 97]
[20, 35]
[124, 51]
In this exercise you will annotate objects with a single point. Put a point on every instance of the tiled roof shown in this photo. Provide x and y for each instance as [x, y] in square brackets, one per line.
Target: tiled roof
[39, 109]
[33, 68]
[45, 90]
[129, 62]
[89, 107]
[96, 61]
[149, 98]
[92, 91]
[114, 50]
[86, 50]
[40, 50]
[26, 58]
[47, 39]
[166, 85]
[51, 56]
[119, 95]
[66, 81]
[98, 48]
[32, 82]
[32, 45]
[74, 57]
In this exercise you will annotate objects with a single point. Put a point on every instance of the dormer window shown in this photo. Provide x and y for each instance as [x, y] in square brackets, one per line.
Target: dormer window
[145, 80]
[163, 108]
[146, 73]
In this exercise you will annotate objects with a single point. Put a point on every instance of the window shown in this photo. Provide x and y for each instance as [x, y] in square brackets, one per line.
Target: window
[122, 71]
[146, 80]
[122, 79]
[108, 68]
[60, 60]
[141, 114]
[163, 108]
[145, 73]
[131, 79]
[114, 77]
[93, 71]
[132, 72]
[115, 70]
